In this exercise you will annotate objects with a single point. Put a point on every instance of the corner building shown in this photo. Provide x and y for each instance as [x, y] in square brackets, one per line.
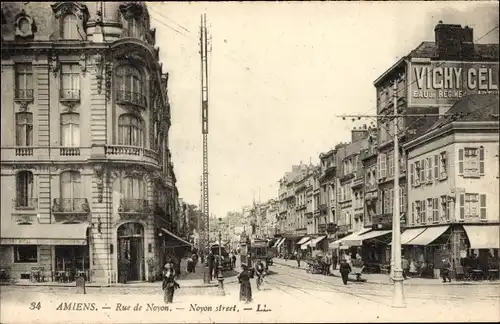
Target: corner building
[87, 175]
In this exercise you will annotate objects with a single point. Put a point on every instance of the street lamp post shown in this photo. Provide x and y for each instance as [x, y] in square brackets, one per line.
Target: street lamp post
[398, 294]
[220, 276]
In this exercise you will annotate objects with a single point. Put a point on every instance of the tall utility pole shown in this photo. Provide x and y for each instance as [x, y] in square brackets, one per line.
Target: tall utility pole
[199, 215]
[204, 129]
[398, 294]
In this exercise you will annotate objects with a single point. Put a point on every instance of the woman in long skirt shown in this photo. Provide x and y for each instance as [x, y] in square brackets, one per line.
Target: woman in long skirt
[245, 286]
[169, 284]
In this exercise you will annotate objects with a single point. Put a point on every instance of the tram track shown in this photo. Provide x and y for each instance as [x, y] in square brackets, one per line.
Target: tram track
[363, 291]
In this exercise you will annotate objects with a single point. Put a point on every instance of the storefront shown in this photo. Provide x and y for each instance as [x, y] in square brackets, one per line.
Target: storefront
[303, 246]
[46, 252]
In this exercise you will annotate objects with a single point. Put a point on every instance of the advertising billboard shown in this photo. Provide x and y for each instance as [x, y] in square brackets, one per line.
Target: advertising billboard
[442, 83]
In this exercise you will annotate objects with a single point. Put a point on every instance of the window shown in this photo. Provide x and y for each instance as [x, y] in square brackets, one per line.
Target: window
[443, 158]
[134, 28]
[428, 167]
[130, 131]
[70, 130]
[445, 209]
[423, 213]
[134, 188]
[390, 199]
[472, 205]
[25, 254]
[471, 162]
[382, 166]
[24, 81]
[435, 209]
[413, 213]
[437, 165]
[70, 27]
[390, 164]
[70, 188]
[402, 200]
[423, 166]
[70, 81]
[24, 129]
[24, 189]
[129, 79]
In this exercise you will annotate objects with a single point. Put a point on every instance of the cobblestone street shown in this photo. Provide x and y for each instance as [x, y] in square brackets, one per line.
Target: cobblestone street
[285, 289]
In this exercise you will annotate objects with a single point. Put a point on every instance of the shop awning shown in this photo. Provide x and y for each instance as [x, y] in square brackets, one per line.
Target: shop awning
[185, 243]
[483, 236]
[304, 246]
[276, 244]
[410, 234]
[303, 240]
[316, 240]
[281, 242]
[354, 239]
[45, 234]
[372, 234]
[429, 235]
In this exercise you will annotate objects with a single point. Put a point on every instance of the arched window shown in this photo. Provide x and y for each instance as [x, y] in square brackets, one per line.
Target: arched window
[134, 187]
[130, 130]
[134, 28]
[129, 79]
[24, 129]
[70, 27]
[70, 186]
[70, 130]
[24, 189]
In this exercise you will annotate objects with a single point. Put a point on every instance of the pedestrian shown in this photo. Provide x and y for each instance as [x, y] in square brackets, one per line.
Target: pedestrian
[345, 269]
[210, 264]
[445, 270]
[169, 284]
[234, 260]
[245, 285]
[405, 266]
[334, 261]
[297, 256]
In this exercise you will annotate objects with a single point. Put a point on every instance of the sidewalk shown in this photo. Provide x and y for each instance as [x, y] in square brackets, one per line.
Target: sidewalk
[186, 280]
[381, 279]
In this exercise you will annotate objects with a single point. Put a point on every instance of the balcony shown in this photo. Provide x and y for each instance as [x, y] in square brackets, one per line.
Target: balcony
[347, 177]
[371, 196]
[24, 151]
[126, 152]
[70, 206]
[317, 212]
[134, 206]
[69, 151]
[25, 203]
[124, 97]
[69, 95]
[24, 96]
[358, 183]
[70, 210]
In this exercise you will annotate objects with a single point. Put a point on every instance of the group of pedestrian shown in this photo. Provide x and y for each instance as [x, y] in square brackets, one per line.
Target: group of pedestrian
[192, 261]
[244, 280]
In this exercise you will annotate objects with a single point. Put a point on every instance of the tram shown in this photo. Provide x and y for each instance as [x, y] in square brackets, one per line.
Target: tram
[253, 250]
[226, 262]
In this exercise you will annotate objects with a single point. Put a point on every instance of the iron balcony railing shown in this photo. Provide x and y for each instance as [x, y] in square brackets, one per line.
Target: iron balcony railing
[70, 205]
[24, 94]
[132, 205]
[25, 203]
[129, 97]
[69, 94]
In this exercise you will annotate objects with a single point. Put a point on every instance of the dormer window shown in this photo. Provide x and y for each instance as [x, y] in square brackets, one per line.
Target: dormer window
[133, 28]
[70, 29]
[71, 18]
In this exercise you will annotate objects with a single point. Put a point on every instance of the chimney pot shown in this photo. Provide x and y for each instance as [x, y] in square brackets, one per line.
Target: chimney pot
[440, 22]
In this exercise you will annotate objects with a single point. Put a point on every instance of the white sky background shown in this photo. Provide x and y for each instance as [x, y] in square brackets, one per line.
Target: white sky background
[280, 72]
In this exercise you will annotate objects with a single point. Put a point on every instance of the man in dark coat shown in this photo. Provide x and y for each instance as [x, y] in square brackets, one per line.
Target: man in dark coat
[445, 270]
[345, 269]
[210, 263]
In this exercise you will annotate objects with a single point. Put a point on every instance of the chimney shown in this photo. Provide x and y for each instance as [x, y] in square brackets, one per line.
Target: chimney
[453, 41]
[359, 134]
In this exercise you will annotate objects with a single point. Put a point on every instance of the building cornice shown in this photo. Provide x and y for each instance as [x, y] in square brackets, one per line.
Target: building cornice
[476, 126]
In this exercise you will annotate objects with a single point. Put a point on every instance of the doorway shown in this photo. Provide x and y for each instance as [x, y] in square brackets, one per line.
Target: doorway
[131, 250]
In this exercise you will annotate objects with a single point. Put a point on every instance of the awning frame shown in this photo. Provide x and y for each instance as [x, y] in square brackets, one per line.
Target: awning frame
[45, 234]
[177, 237]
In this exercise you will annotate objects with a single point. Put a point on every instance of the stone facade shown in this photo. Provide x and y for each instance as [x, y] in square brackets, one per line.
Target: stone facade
[84, 99]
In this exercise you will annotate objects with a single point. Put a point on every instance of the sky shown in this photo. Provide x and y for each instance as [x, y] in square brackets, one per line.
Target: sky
[280, 74]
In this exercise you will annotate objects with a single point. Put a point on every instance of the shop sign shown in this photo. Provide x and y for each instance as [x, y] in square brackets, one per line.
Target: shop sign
[444, 82]
[34, 241]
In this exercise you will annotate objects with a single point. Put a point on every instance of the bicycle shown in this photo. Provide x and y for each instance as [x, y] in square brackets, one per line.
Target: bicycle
[259, 281]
